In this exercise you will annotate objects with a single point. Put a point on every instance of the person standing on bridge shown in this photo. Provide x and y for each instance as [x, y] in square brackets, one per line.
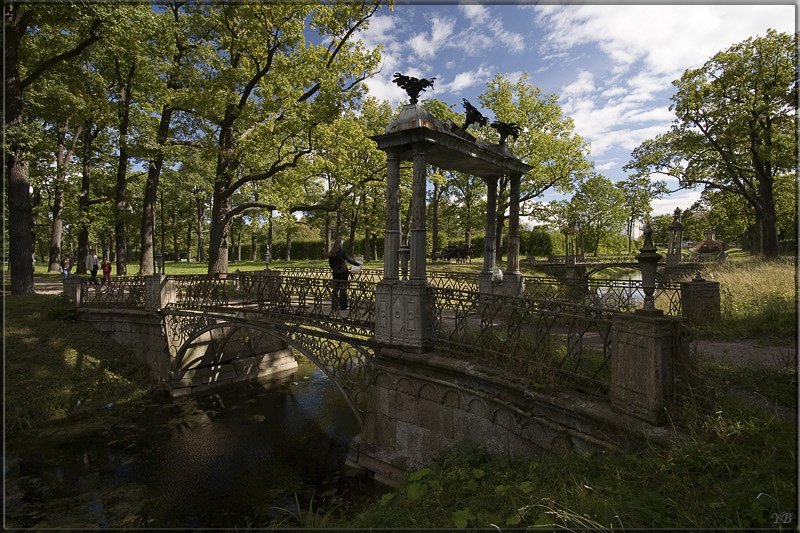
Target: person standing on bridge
[337, 259]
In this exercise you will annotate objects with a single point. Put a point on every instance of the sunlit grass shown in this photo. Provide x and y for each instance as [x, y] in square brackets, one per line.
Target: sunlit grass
[757, 299]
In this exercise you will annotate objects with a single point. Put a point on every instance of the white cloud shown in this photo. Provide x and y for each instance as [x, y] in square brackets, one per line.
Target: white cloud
[467, 79]
[426, 45]
[608, 165]
[582, 85]
[667, 38]
[474, 11]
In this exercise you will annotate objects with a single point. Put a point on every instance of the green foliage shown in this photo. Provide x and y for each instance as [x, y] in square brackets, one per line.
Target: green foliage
[735, 127]
[540, 242]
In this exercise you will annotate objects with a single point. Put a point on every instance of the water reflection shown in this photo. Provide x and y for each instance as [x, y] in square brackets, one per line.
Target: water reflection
[224, 460]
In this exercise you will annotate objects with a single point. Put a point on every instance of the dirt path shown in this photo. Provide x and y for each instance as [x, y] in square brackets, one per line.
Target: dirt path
[748, 352]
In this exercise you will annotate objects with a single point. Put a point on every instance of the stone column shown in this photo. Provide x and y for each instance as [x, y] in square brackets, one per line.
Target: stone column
[513, 225]
[391, 243]
[418, 230]
[513, 280]
[491, 224]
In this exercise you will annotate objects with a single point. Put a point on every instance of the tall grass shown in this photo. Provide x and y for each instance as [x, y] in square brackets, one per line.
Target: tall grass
[757, 299]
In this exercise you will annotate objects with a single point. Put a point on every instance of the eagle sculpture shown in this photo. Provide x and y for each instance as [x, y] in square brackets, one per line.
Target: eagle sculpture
[506, 129]
[473, 116]
[412, 86]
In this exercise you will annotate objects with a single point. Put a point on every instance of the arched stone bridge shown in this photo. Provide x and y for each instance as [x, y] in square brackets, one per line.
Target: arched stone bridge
[482, 349]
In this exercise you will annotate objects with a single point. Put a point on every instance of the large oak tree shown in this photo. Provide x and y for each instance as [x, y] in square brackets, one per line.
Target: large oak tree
[735, 128]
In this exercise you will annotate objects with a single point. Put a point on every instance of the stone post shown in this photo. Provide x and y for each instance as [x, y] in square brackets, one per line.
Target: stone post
[648, 264]
[700, 299]
[158, 292]
[72, 289]
[675, 240]
[391, 243]
[485, 284]
[643, 350]
[418, 229]
[513, 281]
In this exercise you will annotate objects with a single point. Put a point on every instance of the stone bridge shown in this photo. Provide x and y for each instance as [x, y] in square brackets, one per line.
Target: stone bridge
[517, 375]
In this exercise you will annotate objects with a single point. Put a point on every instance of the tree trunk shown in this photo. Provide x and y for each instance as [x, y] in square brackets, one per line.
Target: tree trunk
[288, 244]
[84, 201]
[188, 243]
[221, 201]
[146, 261]
[253, 254]
[20, 211]
[120, 206]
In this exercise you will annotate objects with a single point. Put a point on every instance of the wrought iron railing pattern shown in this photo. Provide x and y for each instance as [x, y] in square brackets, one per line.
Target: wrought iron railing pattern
[536, 340]
[120, 291]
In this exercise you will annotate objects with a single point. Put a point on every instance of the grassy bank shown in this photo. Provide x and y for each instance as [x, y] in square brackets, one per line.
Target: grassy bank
[758, 299]
[56, 367]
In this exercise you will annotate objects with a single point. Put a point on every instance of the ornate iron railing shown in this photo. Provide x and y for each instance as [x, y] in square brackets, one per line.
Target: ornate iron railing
[120, 291]
[536, 340]
[309, 297]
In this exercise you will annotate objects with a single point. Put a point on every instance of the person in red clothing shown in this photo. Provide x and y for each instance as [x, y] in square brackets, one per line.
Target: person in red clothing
[106, 271]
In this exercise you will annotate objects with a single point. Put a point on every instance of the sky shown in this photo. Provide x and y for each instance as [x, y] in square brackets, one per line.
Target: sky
[612, 66]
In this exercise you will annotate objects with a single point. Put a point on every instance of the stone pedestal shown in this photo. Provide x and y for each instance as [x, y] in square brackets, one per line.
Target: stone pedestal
[72, 289]
[700, 300]
[158, 292]
[643, 351]
[403, 314]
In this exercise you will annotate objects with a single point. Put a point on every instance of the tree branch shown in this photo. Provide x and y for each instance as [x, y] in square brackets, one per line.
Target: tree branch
[45, 65]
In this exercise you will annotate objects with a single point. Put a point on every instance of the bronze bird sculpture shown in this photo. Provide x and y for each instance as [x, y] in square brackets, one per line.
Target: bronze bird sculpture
[506, 129]
[412, 86]
[473, 116]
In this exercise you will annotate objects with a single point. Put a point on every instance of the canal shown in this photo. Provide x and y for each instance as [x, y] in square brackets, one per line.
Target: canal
[243, 457]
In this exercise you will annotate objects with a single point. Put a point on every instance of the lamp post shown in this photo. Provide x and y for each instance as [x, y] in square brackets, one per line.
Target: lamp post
[648, 264]
[267, 258]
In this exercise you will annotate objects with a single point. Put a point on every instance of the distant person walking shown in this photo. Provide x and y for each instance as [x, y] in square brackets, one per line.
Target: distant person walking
[337, 259]
[66, 266]
[92, 264]
[106, 272]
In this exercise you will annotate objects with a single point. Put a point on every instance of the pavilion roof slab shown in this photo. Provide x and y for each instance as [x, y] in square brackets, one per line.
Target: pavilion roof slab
[417, 131]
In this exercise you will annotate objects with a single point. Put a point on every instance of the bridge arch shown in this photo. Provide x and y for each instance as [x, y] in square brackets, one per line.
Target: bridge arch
[345, 360]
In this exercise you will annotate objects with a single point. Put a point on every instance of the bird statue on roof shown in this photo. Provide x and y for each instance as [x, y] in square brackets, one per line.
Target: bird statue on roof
[473, 116]
[506, 129]
[411, 85]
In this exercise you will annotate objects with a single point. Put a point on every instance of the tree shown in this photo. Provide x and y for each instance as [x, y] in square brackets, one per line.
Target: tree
[637, 192]
[735, 127]
[29, 55]
[268, 87]
[598, 207]
[547, 142]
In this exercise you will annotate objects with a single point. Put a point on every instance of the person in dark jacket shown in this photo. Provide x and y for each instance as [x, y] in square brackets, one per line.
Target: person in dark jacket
[337, 259]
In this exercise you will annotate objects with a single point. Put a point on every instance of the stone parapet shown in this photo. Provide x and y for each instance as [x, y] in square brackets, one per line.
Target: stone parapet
[422, 404]
[72, 289]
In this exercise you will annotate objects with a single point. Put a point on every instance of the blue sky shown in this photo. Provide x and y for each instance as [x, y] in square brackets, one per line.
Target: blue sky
[611, 65]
